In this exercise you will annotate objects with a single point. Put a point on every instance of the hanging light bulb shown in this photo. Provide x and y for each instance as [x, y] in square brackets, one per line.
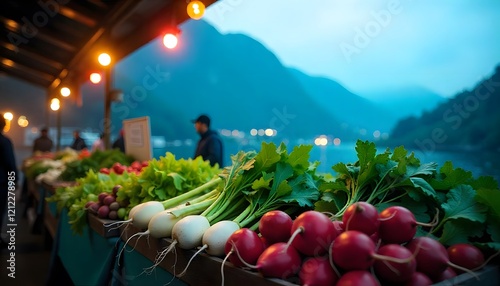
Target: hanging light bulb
[55, 104]
[104, 59]
[170, 40]
[65, 91]
[95, 78]
[196, 9]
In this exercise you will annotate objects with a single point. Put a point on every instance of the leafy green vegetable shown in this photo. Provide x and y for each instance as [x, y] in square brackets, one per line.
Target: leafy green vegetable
[97, 160]
[468, 207]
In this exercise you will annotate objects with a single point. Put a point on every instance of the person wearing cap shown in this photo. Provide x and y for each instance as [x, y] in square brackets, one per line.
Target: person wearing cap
[43, 143]
[209, 146]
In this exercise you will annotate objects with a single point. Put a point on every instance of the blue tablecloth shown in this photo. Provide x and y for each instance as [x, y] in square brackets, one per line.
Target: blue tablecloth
[88, 258]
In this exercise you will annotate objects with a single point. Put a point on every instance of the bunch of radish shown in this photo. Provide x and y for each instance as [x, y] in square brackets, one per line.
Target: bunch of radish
[366, 248]
[118, 168]
[106, 206]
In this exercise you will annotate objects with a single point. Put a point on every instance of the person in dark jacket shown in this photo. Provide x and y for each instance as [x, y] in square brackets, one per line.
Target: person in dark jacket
[43, 143]
[78, 142]
[8, 172]
[210, 144]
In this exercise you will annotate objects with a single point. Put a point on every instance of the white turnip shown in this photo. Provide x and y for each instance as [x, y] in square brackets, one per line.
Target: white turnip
[188, 232]
[141, 216]
[215, 237]
[161, 224]
[214, 240]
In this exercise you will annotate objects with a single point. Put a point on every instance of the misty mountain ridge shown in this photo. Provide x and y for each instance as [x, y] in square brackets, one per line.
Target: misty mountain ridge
[469, 120]
[405, 101]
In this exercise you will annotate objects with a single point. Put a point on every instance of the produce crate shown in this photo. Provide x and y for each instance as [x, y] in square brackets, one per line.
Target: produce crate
[204, 269]
[489, 276]
[101, 226]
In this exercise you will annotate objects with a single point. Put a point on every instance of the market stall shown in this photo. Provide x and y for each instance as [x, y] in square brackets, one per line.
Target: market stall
[378, 208]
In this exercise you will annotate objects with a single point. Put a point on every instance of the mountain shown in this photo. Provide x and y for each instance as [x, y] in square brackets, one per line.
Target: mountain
[353, 110]
[468, 120]
[233, 78]
[405, 101]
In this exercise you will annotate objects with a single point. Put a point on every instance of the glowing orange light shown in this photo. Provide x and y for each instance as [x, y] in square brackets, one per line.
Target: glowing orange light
[55, 104]
[170, 40]
[196, 9]
[95, 78]
[65, 91]
[104, 59]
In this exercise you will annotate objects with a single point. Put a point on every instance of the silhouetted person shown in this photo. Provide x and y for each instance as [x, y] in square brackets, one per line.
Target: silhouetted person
[209, 146]
[43, 143]
[78, 142]
[120, 142]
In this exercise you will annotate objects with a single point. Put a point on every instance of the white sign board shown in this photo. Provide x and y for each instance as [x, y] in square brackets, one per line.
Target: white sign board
[138, 138]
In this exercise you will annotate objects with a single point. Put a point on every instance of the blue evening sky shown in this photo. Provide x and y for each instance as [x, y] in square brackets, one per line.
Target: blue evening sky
[445, 46]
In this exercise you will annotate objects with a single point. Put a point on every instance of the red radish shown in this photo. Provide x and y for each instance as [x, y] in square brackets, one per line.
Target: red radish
[339, 227]
[358, 278]
[136, 165]
[247, 243]
[354, 250]
[431, 256]
[93, 207]
[103, 211]
[116, 188]
[466, 255]
[279, 260]
[395, 272]
[449, 273]
[361, 216]
[419, 279]
[397, 225]
[312, 233]
[275, 226]
[317, 271]
[109, 199]
[265, 242]
[101, 196]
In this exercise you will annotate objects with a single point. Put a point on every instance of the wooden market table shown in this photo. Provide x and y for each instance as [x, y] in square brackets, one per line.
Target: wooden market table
[92, 258]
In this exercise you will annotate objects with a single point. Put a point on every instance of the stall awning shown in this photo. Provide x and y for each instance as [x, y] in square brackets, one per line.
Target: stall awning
[45, 42]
